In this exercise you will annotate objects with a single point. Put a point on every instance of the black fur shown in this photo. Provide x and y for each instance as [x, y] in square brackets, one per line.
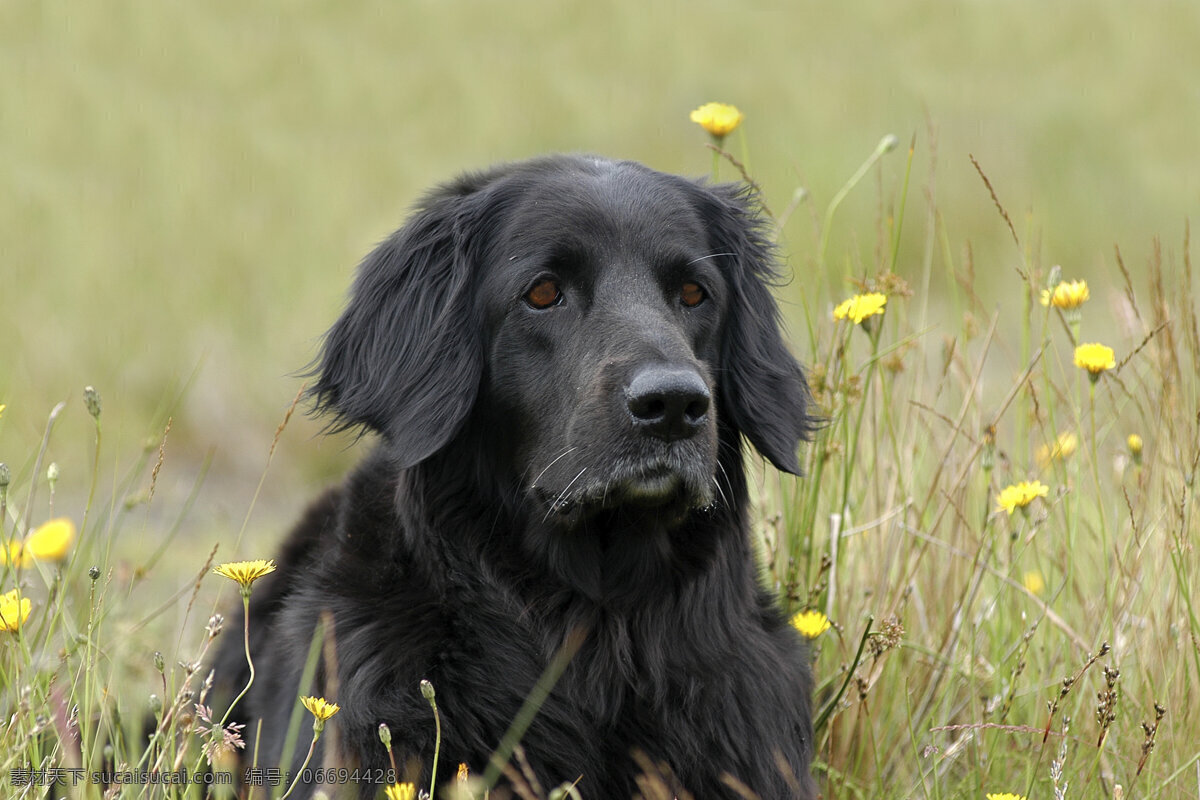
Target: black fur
[547, 471]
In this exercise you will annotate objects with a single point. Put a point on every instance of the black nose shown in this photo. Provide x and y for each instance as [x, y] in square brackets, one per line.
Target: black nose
[668, 402]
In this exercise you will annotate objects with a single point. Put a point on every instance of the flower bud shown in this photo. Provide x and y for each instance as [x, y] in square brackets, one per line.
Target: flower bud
[988, 456]
[1134, 442]
[1055, 277]
[91, 400]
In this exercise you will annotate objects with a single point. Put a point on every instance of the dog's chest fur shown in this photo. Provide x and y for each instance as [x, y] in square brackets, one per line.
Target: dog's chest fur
[665, 677]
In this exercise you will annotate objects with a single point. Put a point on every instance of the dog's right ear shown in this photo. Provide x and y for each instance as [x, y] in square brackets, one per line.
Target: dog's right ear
[405, 357]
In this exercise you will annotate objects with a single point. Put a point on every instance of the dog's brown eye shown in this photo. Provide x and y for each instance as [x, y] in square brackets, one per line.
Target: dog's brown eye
[545, 293]
[691, 295]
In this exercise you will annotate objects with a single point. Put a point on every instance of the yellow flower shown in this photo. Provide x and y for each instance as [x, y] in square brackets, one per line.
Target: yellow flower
[860, 307]
[1034, 582]
[320, 708]
[401, 791]
[49, 542]
[1095, 358]
[14, 610]
[2, 407]
[1067, 295]
[1063, 448]
[719, 119]
[1134, 443]
[1020, 495]
[1005, 796]
[463, 775]
[245, 572]
[811, 624]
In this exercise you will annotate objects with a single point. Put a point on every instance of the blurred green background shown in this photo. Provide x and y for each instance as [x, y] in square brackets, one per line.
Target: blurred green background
[187, 187]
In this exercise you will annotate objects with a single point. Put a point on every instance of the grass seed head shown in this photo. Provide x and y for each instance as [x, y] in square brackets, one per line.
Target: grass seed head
[91, 401]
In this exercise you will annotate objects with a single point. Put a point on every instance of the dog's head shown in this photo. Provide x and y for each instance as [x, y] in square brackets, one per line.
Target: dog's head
[603, 327]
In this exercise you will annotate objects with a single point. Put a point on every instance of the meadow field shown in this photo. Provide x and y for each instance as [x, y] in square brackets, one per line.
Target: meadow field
[999, 526]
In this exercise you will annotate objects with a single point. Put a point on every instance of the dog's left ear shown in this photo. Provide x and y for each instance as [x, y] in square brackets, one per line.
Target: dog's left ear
[404, 358]
[763, 391]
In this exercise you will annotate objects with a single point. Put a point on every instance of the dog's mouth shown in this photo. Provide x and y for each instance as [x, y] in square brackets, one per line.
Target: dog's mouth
[653, 485]
[649, 485]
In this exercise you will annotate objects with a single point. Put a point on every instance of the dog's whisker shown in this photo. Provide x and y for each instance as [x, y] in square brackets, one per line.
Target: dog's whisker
[728, 483]
[568, 451]
[558, 500]
[717, 483]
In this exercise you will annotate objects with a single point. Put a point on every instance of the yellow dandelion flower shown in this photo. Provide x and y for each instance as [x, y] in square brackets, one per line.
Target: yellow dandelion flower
[1065, 445]
[245, 572]
[401, 791]
[1033, 582]
[51, 540]
[322, 711]
[320, 708]
[1005, 796]
[14, 610]
[860, 307]
[719, 119]
[463, 775]
[811, 624]
[1019, 495]
[1067, 295]
[1095, 358]
[11, 554]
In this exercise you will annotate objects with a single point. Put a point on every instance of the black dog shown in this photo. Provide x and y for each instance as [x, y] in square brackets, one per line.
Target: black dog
[561, 358]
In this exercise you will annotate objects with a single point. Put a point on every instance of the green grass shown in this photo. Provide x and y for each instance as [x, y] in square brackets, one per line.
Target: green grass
[189, 187]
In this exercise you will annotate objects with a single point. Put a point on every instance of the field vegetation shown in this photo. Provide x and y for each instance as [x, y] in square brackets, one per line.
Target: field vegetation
[998, 525]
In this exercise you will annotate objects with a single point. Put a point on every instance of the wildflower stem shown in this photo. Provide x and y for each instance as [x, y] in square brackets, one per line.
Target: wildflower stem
[428, 692]
[853, 437]
[87, 510]
[886, 145]
[300, 772]
[1027, 290]
[831, 706]
[808, 512]
[744, 148]
[37, 466]
[899, 224]
[86, 740]
[1108, 585]
[249, 661]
